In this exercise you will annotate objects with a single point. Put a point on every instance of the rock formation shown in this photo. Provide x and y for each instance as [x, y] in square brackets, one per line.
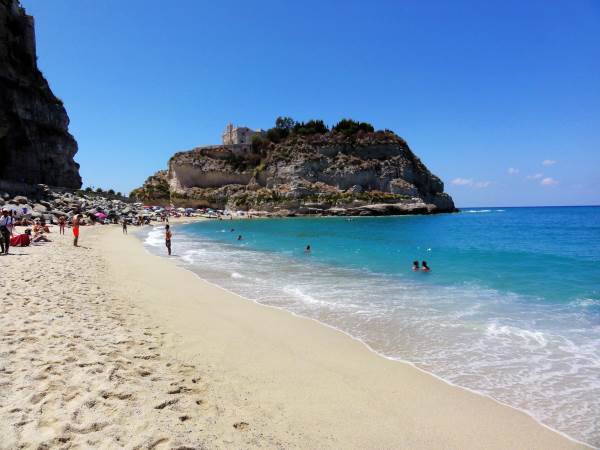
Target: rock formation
[35, 145]
[50, 203]
[368, 173]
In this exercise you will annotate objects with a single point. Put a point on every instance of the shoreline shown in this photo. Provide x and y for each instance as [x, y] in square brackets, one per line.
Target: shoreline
[140, 237]
[128, 348]
[363, 345]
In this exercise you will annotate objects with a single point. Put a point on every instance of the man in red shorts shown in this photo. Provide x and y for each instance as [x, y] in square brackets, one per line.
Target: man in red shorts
[76, 229]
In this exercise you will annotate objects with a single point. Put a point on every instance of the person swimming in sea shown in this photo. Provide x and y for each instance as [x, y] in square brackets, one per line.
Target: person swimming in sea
[425, 267]
[416, 266]
[239, 237]
[307, 249]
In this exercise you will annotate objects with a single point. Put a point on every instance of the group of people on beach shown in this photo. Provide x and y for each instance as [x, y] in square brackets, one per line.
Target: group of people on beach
[37, 233]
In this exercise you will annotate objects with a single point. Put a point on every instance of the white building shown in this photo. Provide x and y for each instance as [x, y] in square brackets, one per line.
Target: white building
[237, 135]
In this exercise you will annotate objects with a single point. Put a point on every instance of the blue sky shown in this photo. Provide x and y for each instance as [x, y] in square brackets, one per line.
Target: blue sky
[476, 88]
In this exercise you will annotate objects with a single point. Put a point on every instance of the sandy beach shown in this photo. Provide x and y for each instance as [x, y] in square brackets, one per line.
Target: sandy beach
[107, 346]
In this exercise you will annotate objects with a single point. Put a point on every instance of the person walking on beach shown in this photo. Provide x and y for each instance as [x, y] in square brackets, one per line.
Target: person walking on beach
[76, 230]
[124, 226]
[61, 225]
[6, 225]
[168, 236]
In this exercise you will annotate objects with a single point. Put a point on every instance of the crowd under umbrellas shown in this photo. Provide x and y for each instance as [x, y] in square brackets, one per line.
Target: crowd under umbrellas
[48, 207]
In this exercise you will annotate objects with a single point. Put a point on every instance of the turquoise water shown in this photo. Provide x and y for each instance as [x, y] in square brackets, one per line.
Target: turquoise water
[510, 309]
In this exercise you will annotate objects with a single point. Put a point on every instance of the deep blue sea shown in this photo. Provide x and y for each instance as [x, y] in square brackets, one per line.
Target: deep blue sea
[510, 309]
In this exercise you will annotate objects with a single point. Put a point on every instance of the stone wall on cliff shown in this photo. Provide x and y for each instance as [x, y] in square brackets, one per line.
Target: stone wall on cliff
[35, 144]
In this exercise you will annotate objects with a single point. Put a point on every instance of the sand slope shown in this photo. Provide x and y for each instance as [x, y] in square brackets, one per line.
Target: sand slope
[80, 368]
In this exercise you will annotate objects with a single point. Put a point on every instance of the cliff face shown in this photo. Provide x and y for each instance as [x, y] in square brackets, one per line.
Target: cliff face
[365, 174]
[35, 145]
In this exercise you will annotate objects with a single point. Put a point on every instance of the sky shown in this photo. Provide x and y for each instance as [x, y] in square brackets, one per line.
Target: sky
[500, 99]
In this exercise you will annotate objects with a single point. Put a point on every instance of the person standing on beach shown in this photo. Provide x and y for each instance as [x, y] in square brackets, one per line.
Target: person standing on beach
[124, 226]
[6, 225]
[61, 224]
[76, 230]
[168, 236]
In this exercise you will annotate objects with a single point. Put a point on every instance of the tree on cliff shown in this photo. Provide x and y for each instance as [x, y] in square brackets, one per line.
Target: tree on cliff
[281, 130]
[310, 127]
[285, 123]
[349, 127]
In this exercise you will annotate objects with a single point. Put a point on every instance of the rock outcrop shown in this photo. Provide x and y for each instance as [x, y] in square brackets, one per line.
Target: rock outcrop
[368, 173]
[35, 145]
[50, 203]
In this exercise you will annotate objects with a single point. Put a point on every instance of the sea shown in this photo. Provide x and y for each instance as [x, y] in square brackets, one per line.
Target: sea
[510, 308]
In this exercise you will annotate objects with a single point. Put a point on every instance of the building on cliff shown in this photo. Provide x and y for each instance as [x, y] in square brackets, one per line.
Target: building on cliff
[35, 144]
[238, 135]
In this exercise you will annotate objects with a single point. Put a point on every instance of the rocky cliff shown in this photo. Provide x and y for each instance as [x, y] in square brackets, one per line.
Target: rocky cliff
[368, 173]
[35, 145]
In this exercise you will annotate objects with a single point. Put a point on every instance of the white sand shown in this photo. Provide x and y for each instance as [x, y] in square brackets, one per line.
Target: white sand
[107, 346]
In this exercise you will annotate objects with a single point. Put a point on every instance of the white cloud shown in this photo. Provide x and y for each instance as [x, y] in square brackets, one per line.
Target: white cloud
[513, 171]
[462, 181]
[548, 181]
[535, 176]
[470, 182]
[548, 162]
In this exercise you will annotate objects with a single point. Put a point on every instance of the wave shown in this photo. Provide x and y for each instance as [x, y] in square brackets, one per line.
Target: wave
[585, 302]
[155, 237]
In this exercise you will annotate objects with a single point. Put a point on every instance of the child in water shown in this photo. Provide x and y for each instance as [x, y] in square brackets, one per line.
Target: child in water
[425, 267]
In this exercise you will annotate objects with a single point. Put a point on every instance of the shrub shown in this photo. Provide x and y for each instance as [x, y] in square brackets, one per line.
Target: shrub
[277, 134]
[285, 123]
[259, 142]
[310, 127]
[350, 127]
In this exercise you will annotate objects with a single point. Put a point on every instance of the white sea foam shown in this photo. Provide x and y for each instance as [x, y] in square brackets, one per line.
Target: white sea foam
[586, 302]
[495, 330]
[155, 237]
